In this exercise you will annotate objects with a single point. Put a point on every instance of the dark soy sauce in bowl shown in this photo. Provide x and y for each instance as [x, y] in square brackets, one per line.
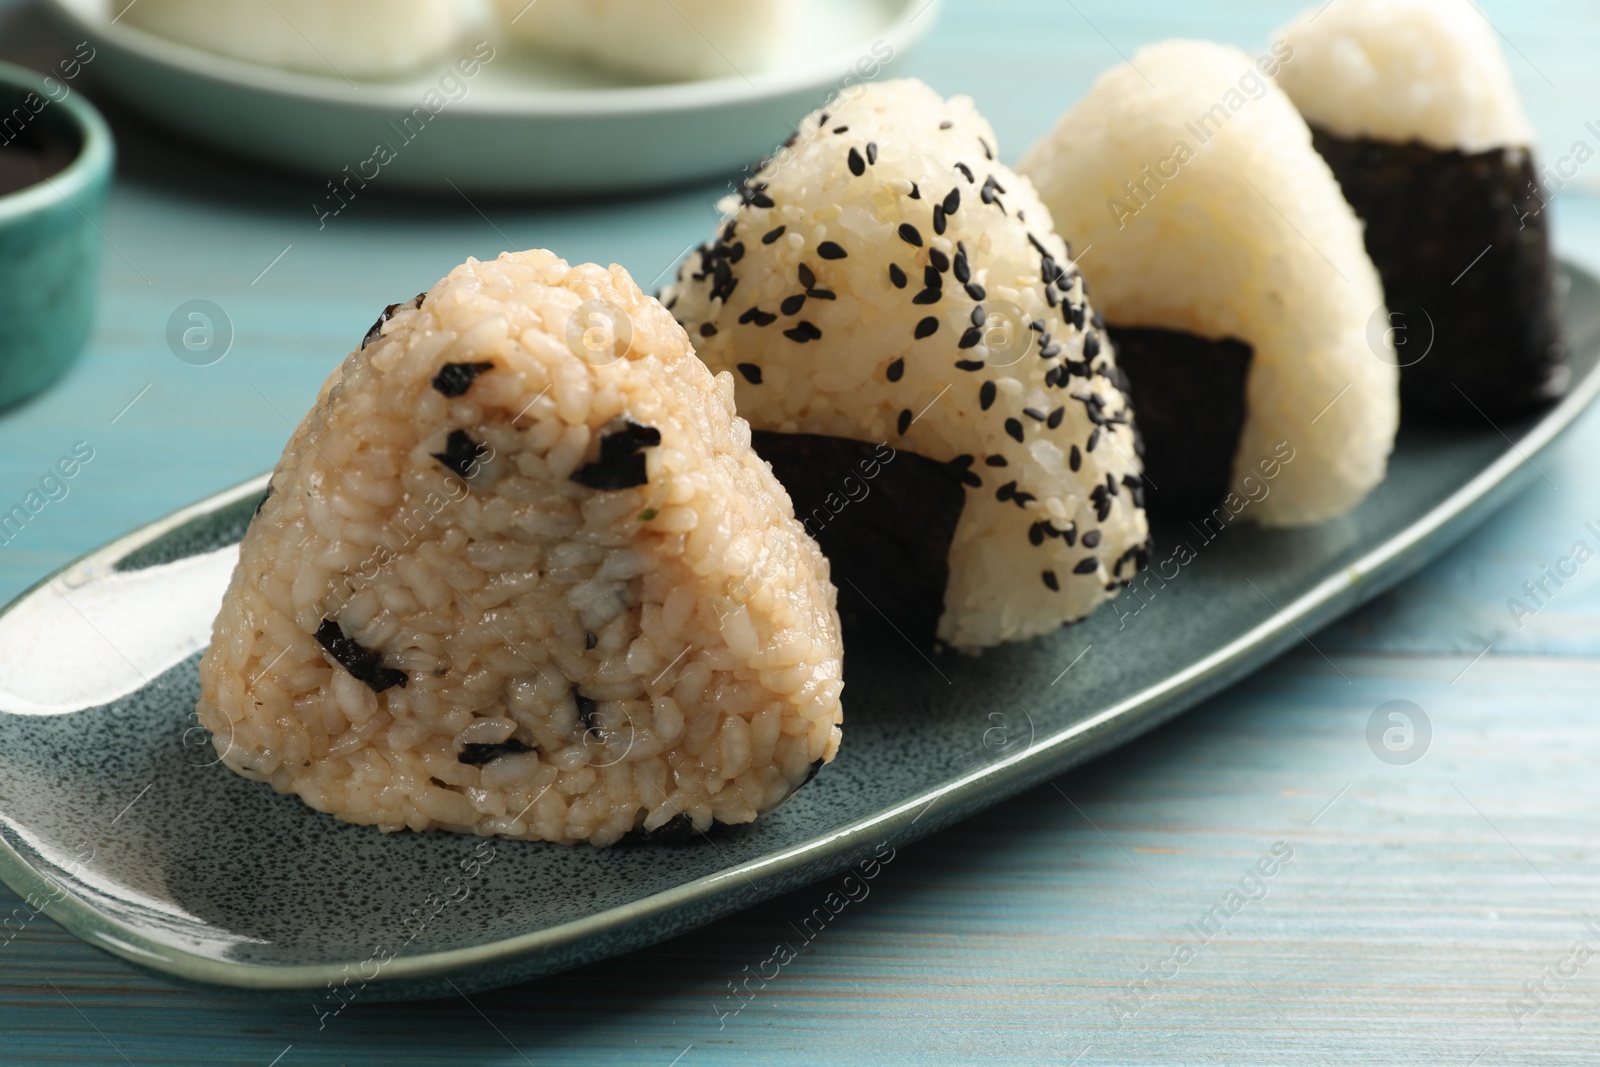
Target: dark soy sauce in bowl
[34, 144]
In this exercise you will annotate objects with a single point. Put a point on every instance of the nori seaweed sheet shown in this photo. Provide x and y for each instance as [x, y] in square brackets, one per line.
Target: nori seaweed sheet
[888, 547]
[1188, 396]
[1431, 214]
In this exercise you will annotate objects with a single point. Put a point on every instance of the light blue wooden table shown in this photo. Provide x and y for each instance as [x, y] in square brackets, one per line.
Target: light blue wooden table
[1420, 901]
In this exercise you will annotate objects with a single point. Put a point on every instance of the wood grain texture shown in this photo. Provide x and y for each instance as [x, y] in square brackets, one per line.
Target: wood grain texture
[1419, 899]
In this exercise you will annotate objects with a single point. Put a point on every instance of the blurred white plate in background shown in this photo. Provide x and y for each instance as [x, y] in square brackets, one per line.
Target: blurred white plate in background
[524, 124]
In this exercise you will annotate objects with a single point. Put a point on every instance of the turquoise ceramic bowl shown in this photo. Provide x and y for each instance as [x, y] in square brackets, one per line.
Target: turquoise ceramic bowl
[49, 236]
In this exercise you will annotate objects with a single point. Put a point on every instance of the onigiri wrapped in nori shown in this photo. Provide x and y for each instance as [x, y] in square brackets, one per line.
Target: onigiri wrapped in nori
[669, 40]
[339, 38]
[1411, 103]
[520, 573]
[1235, 282]
[887, 291]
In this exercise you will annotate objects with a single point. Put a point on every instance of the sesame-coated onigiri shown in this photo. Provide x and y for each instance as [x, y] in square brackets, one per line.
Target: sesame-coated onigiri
[1412, 104]
[885, 279]
[519, 572]
[1223, 248]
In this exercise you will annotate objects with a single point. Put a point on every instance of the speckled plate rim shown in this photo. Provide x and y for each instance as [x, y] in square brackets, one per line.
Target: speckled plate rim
[913, 20]
[1371, 574]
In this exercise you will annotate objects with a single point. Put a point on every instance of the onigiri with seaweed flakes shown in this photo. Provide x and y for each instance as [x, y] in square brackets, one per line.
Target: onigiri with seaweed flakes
[902, 317]
[519, 572]
[672, 40]
[1235, 282]
[339, 38]
[1412, 104]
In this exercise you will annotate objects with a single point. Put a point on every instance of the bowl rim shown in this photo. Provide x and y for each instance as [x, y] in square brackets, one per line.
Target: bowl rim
[88, 168]
[908, 22]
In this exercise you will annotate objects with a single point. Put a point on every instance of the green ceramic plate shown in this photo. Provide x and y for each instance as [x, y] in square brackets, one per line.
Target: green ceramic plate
[117, 822]
[525, 124]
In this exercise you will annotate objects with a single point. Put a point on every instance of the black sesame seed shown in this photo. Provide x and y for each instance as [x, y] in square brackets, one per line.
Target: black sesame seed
[822, 294]
[456, 378]
[761, 200]
[736, 253]
[808, 280]
[986, 395]
[708, 329]
[927, 328]
[971, 339]
[970, 364]
[963, 266]
[589, 641]
[904, 422]
[858, 166]
[1051, 582]
[940, 261]
[1094, 439]
[793, 304]
[1091, 539]
[803, 331]
[1086, 566]
[896, 371]
[928, 296]
[997, 461]
[976, 291]
[1054, 421]
[916, 191]
[773, 235]
[931, 278]
[966, 170]
[952, 202]
[1075, 459]
[757, 316]
[946, 124]
[1035, 414]
[939, 222]
[840, 129]
[1005, 492]
[987, 151]
[830, 250]
[910, 235]
[897, 276]
[1091, 346]
[1036, 534]
[1014, 429]
[979, 316]
[872, 152]
[751, 372]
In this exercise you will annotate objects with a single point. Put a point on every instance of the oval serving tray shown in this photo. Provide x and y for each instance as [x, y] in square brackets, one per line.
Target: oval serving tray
[116, 820]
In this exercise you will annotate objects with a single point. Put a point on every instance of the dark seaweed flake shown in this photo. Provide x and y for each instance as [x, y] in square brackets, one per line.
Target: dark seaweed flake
[362, 664]
[461, 453]
[456, 378]
[622, 462]
[481, 755]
